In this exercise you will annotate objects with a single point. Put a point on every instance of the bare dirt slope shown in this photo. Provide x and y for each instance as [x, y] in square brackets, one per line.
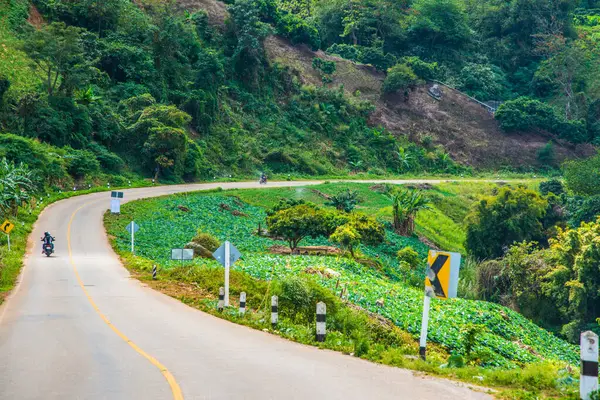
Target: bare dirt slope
[464, 128]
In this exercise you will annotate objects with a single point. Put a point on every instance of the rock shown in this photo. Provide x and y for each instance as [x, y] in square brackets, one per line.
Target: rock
[224, 206]
[331, 273]
[380, 302]
[436, 91]
[183, 208]
[237, 213]
[199, 250]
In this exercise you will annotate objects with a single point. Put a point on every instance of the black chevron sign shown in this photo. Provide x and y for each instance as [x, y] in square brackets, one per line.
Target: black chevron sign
[436, 267]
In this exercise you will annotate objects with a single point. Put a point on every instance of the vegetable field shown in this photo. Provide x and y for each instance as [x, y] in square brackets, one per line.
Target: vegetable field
[508, 339]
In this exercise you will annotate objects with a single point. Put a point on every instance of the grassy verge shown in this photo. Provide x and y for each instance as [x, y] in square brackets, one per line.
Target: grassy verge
[11, 261]
[350, 330]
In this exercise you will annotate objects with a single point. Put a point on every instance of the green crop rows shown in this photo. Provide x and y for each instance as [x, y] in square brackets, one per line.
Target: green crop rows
[507, 341]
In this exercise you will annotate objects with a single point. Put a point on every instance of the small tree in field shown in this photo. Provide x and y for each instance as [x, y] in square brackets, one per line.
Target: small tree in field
[405, 205]
[347, 237]
[296, 223]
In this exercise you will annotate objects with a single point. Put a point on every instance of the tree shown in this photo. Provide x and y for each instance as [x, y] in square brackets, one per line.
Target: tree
[574, 281]
[496, 222]
[160, 131]
[440, 23]
[583, 176]
[400, 77]
[552, 186]
[296, 223]
[17, 186]
[405, 206]
[370, 230]
[347, 237]
[59, 55]
[344, 201]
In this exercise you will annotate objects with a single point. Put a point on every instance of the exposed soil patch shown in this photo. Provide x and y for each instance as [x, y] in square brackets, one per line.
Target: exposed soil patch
[35, 18]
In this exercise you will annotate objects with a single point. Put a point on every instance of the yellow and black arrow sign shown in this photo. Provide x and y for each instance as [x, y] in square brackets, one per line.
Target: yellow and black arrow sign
[7, 226]
[438, 274]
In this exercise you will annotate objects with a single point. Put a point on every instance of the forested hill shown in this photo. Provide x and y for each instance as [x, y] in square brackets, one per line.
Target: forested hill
[197, 88]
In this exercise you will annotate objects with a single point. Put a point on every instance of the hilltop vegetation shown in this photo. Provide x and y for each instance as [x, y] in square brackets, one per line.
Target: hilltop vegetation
[147, 88]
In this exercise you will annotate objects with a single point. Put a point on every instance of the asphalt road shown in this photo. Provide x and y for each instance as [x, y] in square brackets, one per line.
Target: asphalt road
[78, 327]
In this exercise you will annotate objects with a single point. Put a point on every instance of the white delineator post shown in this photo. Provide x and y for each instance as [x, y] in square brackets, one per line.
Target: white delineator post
[132, 237]
[424, 325]
[589, 365]
[321, 316]
[154, 271]
[227, 265]
[242, 302]
[274, 311]
[221, 297]
[8, 239]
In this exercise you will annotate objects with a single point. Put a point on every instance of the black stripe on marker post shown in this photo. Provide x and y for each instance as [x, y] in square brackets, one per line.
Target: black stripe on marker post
[422, 352]
[321, 317]
[589, 368]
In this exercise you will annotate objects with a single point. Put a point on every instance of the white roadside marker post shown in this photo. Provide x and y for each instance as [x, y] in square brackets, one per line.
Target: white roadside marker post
[589, 365]
[274, 312]
[227, 265]
[132, 237]
[243, 303]
[424, 326]
[154, 272]
[321, 316]
[8, 239]
[221, 296]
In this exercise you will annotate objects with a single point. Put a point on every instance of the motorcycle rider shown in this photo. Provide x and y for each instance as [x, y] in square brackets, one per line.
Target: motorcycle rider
[48, 239]
[263, 178]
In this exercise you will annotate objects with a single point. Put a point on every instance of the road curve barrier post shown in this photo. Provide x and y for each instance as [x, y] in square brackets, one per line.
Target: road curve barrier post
[243, 303]
[441, 282]
[274, 311]
[154, 270]
[221, 298]
[321, 316]
[589, 365]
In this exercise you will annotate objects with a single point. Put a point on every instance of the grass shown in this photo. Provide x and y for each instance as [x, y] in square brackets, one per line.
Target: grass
[509, 342]
[351, 330]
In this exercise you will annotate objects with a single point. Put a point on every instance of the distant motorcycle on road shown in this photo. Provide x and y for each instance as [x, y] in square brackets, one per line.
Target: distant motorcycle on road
[48, 246]
[263, 179]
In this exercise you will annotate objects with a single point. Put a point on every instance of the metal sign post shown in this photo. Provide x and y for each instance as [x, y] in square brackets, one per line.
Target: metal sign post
[7, 227]
[132, 228]
[441, 282]
[227, 254]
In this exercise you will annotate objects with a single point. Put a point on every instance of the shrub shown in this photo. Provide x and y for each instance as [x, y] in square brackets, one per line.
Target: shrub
[327, 67]
[583, 177]
[422, 69]
[299, 31]
[484, 82]
[376, 57]
[82, 163]
[346, 51]
[400, 76]
[108, 161]
[526, 114]
[409, 256]
[206, 240]
[347, 237]
[552, 186]
[583, 210]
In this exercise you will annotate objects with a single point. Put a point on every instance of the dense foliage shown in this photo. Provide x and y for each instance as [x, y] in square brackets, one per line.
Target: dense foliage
[496, 222]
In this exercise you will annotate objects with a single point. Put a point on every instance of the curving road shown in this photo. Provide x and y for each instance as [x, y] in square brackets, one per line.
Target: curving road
[78, 327]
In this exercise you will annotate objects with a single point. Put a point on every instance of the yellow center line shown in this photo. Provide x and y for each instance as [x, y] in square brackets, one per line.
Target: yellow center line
[175, 389]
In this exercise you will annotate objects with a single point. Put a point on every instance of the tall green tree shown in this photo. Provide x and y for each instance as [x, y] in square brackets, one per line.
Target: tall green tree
[60, 58]
[496, 222]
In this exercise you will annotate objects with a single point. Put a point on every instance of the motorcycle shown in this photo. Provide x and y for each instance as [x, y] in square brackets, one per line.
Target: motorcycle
[263, 180]
[48, 249]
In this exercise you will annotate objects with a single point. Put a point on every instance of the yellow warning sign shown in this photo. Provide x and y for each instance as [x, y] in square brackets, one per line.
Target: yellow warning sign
[7, 226]
[442, 274]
